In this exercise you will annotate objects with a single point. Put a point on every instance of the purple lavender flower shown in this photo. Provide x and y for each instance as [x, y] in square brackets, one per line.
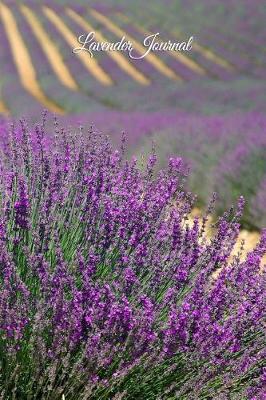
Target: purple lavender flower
[21, 207]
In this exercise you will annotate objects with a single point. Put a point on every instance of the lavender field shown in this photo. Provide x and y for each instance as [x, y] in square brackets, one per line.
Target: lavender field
[127, 190]
[216, 93]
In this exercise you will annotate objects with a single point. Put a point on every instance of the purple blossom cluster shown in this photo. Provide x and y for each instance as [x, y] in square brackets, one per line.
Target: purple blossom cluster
[107, 291]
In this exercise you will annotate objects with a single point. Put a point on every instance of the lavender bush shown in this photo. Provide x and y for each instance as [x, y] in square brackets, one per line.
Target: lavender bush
[107, 292]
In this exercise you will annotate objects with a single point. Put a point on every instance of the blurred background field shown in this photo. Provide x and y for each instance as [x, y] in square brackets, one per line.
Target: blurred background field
[207, 105]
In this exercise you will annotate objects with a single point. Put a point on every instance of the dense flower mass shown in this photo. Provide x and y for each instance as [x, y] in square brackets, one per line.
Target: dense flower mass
[107, 291]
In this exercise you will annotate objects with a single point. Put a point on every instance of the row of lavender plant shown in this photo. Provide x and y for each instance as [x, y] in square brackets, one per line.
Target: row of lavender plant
[226, 153]
[106, 291]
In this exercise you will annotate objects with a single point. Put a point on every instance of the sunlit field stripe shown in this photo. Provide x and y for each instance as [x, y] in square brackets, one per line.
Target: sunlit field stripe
[195, 67]
[3, 108]
[151, 58]
[50, 50]
[23, 61]
[120, 60]
[90, 63]
[233, 44]
[208, 54]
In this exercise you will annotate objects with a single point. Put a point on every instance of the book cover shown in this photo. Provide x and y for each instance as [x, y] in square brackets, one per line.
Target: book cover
[132, 199]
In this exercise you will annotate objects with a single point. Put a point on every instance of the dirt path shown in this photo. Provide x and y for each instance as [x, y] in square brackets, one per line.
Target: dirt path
[3, 108]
